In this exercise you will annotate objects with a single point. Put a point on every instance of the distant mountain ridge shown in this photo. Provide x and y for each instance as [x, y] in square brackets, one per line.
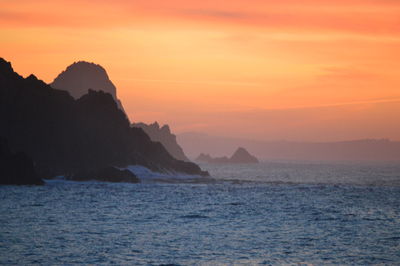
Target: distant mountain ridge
[165, 137]
[355, 150]
[81, 76]
[241, 155]
[64, 136]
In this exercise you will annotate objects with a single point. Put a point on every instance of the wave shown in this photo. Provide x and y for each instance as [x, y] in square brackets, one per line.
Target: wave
[148, 176]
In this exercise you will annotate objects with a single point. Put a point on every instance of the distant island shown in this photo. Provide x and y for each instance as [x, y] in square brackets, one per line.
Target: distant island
[353, 150]
[85, 138]
[241, 155]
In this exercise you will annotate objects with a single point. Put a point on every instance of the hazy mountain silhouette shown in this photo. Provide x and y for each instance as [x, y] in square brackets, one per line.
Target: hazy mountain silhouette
[241, 155]
[81, 76]
[356, 150]
[64, 136]
[165, 137]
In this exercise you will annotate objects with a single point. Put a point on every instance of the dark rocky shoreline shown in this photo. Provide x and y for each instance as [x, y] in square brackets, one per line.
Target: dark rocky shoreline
[64, 136]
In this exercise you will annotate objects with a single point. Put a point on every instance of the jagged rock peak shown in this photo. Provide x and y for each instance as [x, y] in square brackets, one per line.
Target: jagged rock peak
[155, 125]
[165, 137]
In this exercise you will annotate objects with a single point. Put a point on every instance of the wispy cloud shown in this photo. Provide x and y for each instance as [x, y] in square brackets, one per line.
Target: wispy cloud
[364, 17]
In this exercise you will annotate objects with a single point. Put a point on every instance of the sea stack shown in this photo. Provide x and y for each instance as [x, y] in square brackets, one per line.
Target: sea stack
[241, 155]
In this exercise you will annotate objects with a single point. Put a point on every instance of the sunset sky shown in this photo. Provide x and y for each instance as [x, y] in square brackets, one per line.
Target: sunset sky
[313, 70]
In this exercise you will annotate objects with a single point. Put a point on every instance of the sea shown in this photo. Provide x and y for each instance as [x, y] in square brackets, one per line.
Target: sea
[272, 213]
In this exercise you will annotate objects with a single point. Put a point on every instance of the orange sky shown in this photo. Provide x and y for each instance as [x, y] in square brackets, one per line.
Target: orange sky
[320, 70]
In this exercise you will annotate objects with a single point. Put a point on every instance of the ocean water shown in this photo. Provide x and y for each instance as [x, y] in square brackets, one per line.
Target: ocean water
[268, 214]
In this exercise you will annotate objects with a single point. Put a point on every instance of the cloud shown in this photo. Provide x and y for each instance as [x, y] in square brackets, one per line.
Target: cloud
[305, 20]
[363, 17]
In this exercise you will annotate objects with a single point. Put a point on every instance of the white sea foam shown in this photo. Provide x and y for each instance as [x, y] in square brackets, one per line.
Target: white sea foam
[147, 175]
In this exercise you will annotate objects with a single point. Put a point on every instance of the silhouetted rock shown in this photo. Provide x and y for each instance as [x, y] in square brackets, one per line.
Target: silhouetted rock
[241, 155]
[165, 137]
[81, 76]
[64, 136]
[16, 169]
[108, 174]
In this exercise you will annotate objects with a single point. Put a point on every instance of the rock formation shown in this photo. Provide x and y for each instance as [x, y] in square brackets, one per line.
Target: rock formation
[81, 76]
[165, 137]
[64, 136]
[241, 155]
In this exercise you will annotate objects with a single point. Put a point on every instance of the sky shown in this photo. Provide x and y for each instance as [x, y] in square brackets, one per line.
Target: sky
[310, 70]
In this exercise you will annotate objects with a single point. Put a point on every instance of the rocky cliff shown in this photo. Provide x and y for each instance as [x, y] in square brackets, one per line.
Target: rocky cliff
[64, 136]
